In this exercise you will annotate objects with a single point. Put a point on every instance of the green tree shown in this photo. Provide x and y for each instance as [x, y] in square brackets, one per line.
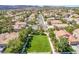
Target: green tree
[52, 35]
[15, 46]
[23, 34]
[69, 29]
[63, 46]
[5, 25]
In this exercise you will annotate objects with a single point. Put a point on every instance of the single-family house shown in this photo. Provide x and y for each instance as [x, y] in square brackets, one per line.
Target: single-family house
[71, 39]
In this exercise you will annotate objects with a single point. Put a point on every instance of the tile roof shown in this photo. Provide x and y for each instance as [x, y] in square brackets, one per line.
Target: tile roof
[56, 22]
[70, 37]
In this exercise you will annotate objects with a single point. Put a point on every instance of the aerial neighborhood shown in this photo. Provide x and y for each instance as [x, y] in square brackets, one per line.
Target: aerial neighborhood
[52, 30]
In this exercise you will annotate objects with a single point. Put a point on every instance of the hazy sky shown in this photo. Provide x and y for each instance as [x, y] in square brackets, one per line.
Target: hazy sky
[39, 2]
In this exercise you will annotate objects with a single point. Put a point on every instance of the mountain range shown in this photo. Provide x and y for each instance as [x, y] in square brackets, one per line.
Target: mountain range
[7, 7]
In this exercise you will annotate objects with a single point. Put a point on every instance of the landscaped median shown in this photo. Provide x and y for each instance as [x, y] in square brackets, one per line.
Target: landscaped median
[39, 44]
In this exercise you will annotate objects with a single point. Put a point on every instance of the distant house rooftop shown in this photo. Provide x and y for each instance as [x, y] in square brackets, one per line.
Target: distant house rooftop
[52, 18]
[54, 22]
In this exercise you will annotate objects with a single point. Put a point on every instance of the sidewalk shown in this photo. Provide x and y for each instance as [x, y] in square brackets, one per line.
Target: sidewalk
[52, 47]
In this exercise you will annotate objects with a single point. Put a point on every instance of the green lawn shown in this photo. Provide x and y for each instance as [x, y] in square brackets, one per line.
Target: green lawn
[40, 43]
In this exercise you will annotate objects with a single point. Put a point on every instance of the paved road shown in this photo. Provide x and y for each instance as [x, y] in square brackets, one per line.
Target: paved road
[41, 21]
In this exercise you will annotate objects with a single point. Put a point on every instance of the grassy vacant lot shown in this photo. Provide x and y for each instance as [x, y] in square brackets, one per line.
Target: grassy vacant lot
[40, 43]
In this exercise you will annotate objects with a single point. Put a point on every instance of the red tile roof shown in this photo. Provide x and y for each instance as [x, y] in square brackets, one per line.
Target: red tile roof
[70, 37]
